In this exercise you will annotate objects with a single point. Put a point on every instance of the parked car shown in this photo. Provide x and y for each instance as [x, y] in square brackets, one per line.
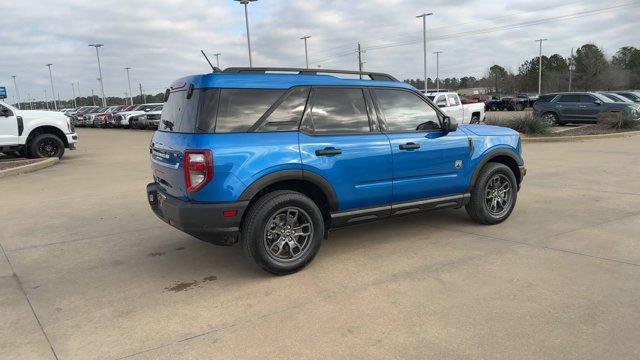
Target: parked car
[122, 119]
[151, 119]
[526, 99]
[631, 95]
[90, 118]
[493, 104]
[35, 133]
[102, 119]
[562, 108]
[451, 105]
[85, 117]
[274, 168]
[77, 117]
[620, 99]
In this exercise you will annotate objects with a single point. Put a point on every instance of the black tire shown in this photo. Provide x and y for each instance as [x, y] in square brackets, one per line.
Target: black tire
[475, 119]
[263, 221]
[520, 107]
[480, 206]
[46, 145]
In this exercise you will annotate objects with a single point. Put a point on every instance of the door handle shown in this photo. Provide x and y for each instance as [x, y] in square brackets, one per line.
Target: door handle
[409, 146]
[328, 151]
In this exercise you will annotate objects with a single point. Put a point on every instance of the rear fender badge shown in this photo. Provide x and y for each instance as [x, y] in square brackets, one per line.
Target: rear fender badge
[458, 164]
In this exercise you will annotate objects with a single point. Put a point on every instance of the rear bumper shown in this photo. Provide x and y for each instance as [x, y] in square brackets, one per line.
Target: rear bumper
[204, 221]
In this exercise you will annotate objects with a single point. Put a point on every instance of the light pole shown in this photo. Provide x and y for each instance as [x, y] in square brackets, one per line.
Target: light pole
[438, 70]
[73, 91]
[97, 46]
[16, 87]
[572, 67]
[246, 20]
[540, 67]
[306, 53]
[129, 82]
[217, 55]
[424, 45]
[53, 91]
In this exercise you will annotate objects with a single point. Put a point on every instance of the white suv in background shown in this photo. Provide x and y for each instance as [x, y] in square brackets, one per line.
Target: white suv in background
[35, 133]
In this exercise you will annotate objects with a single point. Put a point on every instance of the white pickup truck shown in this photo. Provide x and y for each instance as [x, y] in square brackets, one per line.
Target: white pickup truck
[450, 104]
[35, 133]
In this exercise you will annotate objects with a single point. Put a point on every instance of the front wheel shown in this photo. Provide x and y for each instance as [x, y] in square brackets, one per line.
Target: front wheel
[494, 194]
[282, 231]
[46, 145]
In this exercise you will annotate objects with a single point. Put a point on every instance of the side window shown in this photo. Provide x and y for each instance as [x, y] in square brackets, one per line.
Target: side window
[545, 98]
[240, 109]
[587, 99]
[5, 111]
[441, 101]
[405, 111]
[453, 100]
[569, 99]
[338, 110]
[287, 115]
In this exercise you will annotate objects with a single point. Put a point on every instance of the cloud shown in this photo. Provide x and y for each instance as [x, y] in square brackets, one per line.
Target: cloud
[161, 39]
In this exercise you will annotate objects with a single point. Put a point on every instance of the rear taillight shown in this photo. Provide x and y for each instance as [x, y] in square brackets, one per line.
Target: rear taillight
[198, 169]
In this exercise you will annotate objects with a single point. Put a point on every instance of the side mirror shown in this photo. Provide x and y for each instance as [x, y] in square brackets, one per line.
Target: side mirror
[449, 124]
[597, 102]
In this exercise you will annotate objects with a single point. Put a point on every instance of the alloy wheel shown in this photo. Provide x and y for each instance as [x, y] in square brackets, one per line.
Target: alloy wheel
[288, 234]
[498, 195]
[48, 148]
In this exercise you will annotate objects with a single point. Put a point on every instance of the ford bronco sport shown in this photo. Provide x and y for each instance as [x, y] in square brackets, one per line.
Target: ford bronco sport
[273, 158]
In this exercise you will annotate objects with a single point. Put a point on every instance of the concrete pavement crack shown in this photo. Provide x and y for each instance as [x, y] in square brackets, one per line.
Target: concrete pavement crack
[24, 293]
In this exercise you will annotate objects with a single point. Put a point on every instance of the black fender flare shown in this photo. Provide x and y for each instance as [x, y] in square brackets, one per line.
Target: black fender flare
[284, 175]
[490, 155]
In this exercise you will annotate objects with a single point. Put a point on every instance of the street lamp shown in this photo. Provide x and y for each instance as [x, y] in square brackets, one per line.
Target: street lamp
[424, 45]
[246, 20]
[97, 46]
[438, 70]
[53, 91]
[572, 68]
[16, 87]
[129, 82]
[306, 54]
[540, 67]
[217, 55]
[73, 91]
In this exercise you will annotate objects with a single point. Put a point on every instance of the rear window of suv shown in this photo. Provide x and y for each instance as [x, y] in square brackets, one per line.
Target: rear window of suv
[233, 110]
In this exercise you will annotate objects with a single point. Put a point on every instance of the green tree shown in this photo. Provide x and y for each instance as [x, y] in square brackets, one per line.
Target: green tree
[497, 73]
[628, 58]
[590, 65]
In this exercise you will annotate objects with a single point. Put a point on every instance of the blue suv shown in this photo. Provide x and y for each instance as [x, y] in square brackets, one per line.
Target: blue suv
[273, 158]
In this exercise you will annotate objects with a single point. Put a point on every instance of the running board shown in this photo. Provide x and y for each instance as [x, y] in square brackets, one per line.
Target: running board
[344, 218]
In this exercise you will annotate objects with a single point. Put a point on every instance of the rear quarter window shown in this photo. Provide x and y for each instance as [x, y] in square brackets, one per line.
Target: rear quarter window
[240, 109]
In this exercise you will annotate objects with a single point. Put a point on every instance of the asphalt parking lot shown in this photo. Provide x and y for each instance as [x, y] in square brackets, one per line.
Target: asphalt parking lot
[88, 272]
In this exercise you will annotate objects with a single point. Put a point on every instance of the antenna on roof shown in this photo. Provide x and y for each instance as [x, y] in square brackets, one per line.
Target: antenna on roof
[213, 68]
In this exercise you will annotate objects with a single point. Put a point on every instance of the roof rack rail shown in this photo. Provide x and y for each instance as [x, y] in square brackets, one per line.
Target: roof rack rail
[302, 71]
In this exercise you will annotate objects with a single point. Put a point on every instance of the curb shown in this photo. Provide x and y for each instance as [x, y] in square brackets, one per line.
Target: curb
[29, 167]
[578, 137]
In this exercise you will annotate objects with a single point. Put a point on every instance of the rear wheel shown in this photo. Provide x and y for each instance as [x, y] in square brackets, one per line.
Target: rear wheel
[282, 231]
[46, 145]
[551, 117]
[475, 119]
[494, 194]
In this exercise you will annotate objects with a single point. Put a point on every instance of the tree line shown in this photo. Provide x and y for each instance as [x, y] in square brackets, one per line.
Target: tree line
[592, 70]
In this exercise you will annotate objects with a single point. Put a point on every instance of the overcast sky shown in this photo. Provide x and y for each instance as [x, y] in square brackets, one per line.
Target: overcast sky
[161, 39]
